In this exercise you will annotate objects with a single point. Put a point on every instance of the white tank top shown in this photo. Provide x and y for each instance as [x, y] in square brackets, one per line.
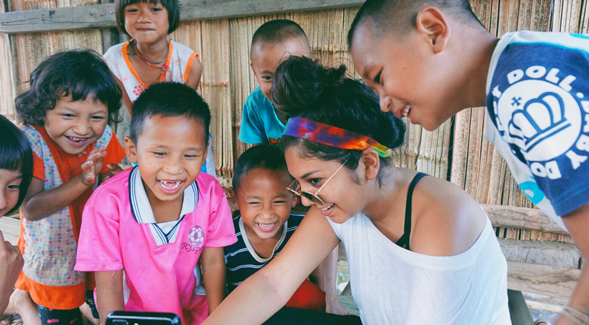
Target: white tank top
[392, 285]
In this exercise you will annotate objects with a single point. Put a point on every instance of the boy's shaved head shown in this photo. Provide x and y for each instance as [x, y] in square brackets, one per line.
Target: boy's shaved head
[398, 16]
[278, 31]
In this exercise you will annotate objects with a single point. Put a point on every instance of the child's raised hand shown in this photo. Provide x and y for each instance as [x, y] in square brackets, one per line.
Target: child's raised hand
[92, 167]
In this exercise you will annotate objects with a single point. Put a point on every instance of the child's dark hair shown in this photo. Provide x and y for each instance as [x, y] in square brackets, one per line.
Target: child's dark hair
[302, 87]
[398, 16]
[258, 157]
[81, 74]
[16, 154]
[278, 31]
[170, 5]
[169, 99]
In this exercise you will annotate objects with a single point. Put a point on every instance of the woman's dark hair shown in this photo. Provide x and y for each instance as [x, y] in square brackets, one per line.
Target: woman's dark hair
[80, 74]
[16, 154]
[304, 88]
[170, 5]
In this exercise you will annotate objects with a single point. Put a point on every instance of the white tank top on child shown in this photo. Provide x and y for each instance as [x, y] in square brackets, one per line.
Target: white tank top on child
[179, 63]
[392, 285]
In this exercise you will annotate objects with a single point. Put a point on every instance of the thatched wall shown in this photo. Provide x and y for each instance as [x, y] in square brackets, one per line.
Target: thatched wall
[456, 150]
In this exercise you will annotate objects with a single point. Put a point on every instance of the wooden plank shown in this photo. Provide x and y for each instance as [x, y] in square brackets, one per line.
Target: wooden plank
[102, 15]
[541, 252]
[521, 218]
[542, 279]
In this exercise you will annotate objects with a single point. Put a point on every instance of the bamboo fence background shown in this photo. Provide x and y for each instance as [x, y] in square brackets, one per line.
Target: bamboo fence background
[456, 151]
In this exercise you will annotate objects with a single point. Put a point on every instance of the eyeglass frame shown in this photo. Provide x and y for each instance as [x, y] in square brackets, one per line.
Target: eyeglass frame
[310, 196]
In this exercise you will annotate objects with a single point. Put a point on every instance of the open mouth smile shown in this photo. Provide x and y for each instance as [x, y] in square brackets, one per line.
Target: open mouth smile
[170, 187]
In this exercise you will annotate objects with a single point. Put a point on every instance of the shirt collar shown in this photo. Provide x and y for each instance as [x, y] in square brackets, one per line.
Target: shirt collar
[141, 207]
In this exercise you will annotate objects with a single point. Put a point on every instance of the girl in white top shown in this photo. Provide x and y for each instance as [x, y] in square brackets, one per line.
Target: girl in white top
[419, 251]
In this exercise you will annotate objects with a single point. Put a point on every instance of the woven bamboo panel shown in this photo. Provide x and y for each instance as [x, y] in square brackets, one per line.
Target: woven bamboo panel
[33, 48]
[6, 75]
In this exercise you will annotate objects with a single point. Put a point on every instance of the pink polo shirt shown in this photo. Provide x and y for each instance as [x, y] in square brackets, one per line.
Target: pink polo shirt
[119, 232]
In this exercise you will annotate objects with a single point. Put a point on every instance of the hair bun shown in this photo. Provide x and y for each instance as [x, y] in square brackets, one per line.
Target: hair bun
[299, 82]
[333, 76]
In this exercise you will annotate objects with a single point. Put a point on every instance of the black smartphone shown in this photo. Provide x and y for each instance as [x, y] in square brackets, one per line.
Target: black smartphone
[142, 318]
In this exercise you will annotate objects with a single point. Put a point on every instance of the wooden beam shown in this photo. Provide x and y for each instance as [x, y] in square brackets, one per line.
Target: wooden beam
[102, 16]
[521, 218]
[542, 279]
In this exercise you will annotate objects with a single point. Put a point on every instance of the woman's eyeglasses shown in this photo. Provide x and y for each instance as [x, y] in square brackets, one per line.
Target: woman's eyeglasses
[294, 187]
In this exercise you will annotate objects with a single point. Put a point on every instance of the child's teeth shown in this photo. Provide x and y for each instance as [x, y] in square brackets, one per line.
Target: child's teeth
[406, 110]
[327, 207]
[266, 225]
[170, 184]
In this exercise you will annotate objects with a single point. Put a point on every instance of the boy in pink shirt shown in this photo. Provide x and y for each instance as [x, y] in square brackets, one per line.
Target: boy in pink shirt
[144, 231]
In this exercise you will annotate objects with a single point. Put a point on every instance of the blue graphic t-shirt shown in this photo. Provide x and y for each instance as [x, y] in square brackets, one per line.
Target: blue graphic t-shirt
[259, 123]
[538, 102]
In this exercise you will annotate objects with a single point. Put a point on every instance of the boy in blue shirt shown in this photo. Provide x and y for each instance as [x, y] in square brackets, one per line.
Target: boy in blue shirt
[428, 60]
[271, 43]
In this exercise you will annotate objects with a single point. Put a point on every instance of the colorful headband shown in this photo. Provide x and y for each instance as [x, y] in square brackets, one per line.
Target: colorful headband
[332, 136]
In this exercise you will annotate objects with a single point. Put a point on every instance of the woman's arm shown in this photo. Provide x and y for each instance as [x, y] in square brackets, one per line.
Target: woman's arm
[39, 204]
[265, 292]
[213, 274]
[109, 293]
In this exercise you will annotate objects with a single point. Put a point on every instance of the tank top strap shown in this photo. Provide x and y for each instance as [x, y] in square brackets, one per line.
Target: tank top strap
[404, 240]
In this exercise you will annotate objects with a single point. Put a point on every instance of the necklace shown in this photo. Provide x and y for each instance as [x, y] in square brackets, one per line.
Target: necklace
[158, 65]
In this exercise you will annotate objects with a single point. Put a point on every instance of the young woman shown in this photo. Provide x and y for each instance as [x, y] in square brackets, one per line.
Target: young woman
[420, 250]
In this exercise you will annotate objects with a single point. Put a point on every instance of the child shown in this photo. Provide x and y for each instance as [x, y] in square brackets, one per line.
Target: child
[144, 231]
[265, 223]
[150, 56]
[420, 250]
[65, 112]
[271, 43]
[428, 60]
[16, 171]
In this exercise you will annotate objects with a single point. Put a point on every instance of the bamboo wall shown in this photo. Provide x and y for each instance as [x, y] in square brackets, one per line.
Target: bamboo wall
[456, 150]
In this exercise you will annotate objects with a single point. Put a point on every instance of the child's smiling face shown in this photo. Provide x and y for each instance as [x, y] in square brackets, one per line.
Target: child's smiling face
[146, 22]
[267, 57]
[75, 125]
[411, 76]
[264, 202]
[170, 152]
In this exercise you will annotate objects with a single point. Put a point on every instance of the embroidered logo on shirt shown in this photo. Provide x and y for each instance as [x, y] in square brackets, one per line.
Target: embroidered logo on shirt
[196, 238]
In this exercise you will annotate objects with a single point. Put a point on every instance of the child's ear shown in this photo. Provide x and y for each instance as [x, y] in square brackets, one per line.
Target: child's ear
[253, 70]
[295, 200]
[234, 198]
[130, 150]
[433, 25]
[371, 163]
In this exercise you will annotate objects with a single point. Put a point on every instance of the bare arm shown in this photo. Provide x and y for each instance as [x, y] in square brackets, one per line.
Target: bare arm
[265, 292]
[577, 223]
[109, 293]
[39, 204]
[11, 263]
[213, 273]
[195, 73]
